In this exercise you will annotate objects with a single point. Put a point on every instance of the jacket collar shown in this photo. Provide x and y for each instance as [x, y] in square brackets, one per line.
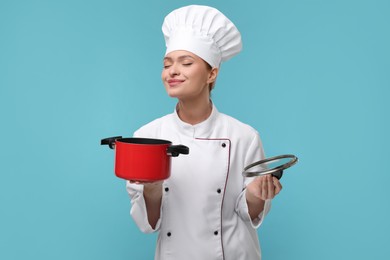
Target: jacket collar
[200, 130]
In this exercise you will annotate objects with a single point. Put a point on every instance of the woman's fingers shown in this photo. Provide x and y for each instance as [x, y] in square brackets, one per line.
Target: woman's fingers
[264, 187]
[146, 182]
[271, 187]
[268, 186]
[277, 185]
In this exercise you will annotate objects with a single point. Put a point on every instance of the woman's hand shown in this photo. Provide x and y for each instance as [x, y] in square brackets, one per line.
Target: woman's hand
[260, 189]
[263, 188]
[149, 187]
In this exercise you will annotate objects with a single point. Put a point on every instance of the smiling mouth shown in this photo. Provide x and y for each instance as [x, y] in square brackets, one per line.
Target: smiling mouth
[174, 82]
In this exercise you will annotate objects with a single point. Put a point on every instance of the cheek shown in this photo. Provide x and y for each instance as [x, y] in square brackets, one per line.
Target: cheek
[164, 76]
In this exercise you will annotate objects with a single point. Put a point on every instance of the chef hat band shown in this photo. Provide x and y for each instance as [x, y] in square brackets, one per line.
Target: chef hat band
[204, 31]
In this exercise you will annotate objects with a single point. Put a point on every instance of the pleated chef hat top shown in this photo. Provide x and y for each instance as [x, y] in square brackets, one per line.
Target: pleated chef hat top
[204, 31]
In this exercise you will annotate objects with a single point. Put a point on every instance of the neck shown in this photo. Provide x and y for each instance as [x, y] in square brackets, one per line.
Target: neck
[194, 112]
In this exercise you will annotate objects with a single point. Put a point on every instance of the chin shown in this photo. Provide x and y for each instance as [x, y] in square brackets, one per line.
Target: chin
[173, 94]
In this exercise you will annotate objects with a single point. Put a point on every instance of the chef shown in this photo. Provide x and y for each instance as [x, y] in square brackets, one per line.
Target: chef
[206, 210]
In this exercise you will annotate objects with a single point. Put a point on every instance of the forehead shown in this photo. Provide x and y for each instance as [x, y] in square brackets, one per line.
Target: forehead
[180, 55]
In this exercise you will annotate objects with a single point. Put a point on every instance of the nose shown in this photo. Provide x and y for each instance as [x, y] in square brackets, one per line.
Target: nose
[174, 70]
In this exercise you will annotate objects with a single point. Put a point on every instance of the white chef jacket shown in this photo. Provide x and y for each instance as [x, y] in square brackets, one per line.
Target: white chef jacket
[204, 214]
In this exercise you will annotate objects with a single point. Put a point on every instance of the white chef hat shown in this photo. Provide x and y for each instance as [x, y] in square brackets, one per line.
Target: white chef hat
[204, 31]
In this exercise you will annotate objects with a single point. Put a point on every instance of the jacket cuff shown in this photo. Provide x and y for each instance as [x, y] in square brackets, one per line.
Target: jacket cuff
[138, 208]
[242, 210]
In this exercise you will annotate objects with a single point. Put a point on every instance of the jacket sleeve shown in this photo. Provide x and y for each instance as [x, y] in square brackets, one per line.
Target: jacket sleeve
[135, 191]
[254, 153]
[138, 208]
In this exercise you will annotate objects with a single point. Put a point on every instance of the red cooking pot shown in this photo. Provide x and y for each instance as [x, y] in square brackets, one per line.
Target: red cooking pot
[143, 159]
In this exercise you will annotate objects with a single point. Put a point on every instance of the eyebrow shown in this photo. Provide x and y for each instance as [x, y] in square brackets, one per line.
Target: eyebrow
[183, 57]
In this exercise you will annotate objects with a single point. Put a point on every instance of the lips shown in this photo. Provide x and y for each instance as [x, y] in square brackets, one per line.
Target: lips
[174, 82]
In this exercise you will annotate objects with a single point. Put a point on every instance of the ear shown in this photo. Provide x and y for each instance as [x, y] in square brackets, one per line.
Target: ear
[213, 75]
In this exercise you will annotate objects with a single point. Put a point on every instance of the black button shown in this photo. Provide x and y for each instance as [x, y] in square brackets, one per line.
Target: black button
[219, 190]
[216, 232]
[223, 145]
[166, 189]
[169, 234]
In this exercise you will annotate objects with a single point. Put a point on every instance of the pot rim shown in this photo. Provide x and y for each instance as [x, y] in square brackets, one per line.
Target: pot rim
[143, 141]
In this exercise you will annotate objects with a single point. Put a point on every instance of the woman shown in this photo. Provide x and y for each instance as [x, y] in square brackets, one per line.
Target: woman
[206, 209]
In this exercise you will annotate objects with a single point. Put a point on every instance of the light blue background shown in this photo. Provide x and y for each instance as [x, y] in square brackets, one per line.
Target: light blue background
[313, 78]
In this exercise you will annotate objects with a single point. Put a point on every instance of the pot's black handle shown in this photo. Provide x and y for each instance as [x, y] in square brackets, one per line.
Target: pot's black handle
[110, 141]
[175, 150]
[278, 174]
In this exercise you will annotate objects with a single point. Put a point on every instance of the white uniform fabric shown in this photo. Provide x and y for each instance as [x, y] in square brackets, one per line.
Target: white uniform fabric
[204, 214]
